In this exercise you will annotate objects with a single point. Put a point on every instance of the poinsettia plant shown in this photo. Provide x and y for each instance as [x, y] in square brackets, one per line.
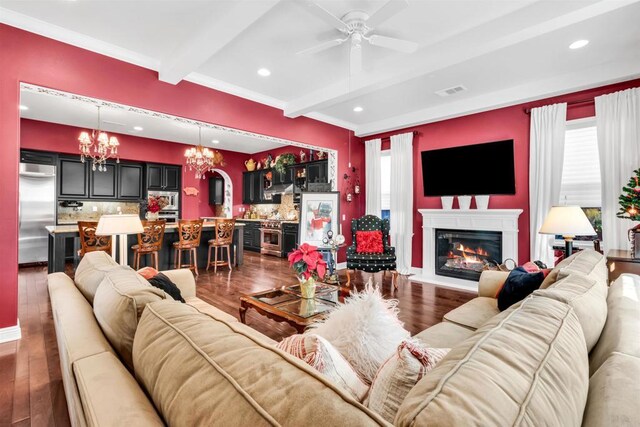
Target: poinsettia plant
[156, 203]
[307, 262]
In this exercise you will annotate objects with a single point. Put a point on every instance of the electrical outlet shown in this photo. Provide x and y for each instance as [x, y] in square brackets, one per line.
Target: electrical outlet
[344, 217]
[94, 208]
[119, 209]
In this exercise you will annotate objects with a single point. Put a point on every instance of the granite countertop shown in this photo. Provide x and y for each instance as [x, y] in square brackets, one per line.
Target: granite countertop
[289, 221]
[53, 229]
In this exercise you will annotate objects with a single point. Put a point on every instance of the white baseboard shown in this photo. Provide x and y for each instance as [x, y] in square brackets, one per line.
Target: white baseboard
[12, 333]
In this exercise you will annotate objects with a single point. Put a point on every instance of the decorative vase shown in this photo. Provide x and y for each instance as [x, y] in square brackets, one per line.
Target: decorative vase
[464, 202]
[447, 202]
[482, 202]
[152, 216]
[308, 288]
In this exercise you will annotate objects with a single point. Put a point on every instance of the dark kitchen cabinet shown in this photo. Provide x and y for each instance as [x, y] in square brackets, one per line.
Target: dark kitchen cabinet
[216, 190]
[252, 187]
[289, 238]
[251, 235]
[130, 181]
[103, 184]
[318, 171]
[163, 177]
[73, 178]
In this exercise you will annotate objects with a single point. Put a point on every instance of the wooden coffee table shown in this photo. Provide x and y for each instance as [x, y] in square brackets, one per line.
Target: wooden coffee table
[286, 305]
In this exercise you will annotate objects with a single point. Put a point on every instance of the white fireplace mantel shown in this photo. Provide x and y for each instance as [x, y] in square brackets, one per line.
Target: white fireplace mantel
[503, 220]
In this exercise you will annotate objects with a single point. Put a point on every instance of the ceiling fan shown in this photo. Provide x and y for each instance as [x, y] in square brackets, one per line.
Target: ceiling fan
[357, 26]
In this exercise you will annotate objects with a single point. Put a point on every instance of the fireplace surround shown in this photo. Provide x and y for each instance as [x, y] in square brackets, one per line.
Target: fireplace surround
[504, 221]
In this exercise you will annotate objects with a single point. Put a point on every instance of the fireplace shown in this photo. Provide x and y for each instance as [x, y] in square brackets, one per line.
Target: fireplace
[465, 254]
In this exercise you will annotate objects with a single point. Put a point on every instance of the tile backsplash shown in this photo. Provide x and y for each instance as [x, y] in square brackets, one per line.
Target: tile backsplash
[92, 210]
[286, 208]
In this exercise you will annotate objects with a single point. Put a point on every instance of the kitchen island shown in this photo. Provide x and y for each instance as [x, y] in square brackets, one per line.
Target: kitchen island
[60, 236]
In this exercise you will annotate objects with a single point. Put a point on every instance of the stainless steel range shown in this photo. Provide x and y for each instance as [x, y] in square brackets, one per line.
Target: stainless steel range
[271, 237]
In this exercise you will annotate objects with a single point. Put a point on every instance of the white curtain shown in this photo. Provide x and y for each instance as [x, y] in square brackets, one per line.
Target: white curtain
[546, 155]
[402, 199]
[618, 123]
[373, 192]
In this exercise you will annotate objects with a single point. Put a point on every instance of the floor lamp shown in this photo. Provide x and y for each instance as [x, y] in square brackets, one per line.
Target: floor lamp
[119, 225]
[568, 221]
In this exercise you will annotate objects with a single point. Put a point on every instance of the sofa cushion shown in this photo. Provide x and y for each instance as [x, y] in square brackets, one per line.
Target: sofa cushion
[587, 262]
[622, 328]
[118, 304]
[613, 393]
[474, 313]
[588, 298]
[110, 395]
[91, 270]
[203, 371]
[444, 335]
[526, 366]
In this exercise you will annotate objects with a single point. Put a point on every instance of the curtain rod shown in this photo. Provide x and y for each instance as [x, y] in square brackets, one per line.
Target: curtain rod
[569, 104]
[388, 138]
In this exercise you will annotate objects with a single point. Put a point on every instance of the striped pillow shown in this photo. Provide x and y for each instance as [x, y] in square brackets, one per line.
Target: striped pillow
[397, 376]
[318, 353]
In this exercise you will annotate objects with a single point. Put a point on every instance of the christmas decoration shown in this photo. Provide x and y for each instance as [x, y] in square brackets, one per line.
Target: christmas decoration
[630, 199]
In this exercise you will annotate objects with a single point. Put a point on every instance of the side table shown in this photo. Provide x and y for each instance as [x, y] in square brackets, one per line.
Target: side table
[619, 262]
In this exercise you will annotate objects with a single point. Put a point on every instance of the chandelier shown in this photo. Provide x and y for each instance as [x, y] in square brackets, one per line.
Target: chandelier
[98, 147]
[202, 159]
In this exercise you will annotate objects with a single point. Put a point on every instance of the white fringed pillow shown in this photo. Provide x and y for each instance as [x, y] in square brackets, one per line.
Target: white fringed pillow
[399, 374]
[365, 329]
[318, 353]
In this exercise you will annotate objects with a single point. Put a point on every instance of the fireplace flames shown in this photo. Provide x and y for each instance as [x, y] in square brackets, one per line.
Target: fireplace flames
[463, 257]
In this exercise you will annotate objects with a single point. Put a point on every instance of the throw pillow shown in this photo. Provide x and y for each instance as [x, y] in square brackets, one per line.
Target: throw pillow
[399, 374]
[161, 281]
[148, 272]
[365, 329]
[518, 286]
[369, 242]
[318, 353]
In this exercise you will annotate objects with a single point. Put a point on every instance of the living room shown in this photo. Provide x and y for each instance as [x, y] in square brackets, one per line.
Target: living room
[409, 156]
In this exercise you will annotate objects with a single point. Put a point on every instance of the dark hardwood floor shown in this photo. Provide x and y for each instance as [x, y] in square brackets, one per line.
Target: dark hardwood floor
[31, 391]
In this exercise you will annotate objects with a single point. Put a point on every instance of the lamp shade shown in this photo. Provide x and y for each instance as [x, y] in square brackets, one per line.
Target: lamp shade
[110, 225]
[567, 221]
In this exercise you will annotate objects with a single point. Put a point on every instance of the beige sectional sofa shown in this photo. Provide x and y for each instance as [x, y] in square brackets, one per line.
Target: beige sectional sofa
[567, 355]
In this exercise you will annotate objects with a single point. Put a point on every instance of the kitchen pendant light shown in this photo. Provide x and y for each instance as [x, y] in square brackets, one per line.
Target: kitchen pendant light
[202, 159]
[98, 146]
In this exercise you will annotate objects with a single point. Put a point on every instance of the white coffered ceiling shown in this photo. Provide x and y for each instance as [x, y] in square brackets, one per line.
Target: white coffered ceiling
[503, 52]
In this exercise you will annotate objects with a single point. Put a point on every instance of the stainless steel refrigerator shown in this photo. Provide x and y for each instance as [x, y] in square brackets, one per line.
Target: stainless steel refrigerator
[37, 210]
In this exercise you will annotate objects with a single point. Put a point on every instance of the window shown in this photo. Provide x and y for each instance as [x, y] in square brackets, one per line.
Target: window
[385, 183]
[580, 183]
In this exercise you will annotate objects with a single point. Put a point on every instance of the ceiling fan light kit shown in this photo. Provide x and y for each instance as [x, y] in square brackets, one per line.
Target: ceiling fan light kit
[357, 26]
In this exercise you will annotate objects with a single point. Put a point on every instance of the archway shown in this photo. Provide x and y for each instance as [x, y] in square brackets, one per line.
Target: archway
[227, 206]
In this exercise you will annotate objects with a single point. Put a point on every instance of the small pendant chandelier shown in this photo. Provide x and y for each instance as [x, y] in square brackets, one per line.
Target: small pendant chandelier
[98, 146]
[202, 159]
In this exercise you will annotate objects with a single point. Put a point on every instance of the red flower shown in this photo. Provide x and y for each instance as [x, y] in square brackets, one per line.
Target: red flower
[312, 261]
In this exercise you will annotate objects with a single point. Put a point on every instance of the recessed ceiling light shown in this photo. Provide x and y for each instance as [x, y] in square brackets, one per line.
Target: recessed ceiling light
[138, 128]
[215, 141]
[578, 44]
[358, 109]
[264, 72]
[23, 108]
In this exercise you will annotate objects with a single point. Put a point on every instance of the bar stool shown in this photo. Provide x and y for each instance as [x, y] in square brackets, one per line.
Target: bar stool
[149, 242]
[190, 231]
[89, 242]
[222, 237]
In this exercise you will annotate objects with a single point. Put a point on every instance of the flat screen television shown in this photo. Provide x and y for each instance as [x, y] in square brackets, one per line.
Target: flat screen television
[469, 170]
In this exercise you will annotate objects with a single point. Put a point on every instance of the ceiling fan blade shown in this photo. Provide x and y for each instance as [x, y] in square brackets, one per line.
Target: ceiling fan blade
[326, 16]
[321, 47]
[355, 59]
[389, 9]
[404, 46]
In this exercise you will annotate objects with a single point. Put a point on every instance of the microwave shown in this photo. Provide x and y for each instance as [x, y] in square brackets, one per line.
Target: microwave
[173, 197]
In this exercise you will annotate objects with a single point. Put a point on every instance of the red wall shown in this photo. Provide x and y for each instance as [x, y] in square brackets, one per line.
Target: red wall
[505, 123]
[37, 135]
[31, 58]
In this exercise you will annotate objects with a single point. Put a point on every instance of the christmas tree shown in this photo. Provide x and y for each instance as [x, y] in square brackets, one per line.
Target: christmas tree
[630, 199]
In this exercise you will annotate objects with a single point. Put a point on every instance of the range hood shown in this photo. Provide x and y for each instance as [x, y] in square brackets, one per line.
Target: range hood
[279, 189]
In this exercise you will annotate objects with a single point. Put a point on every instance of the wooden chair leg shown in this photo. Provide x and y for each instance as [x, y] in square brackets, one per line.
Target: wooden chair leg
[215, 259]
[395, 279]
[209, 258]
[195, 260]
[348, 277]
[155, 260]
[229, 257]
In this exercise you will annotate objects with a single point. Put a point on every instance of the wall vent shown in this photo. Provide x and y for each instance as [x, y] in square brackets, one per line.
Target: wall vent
[451, 91]
[113, 123]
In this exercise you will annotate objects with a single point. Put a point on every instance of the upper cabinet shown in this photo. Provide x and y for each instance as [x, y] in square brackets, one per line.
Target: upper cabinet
[216, 190]
[130, 178]
[163, 177]
[252, 187]
[73, 178]
[103, 184]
